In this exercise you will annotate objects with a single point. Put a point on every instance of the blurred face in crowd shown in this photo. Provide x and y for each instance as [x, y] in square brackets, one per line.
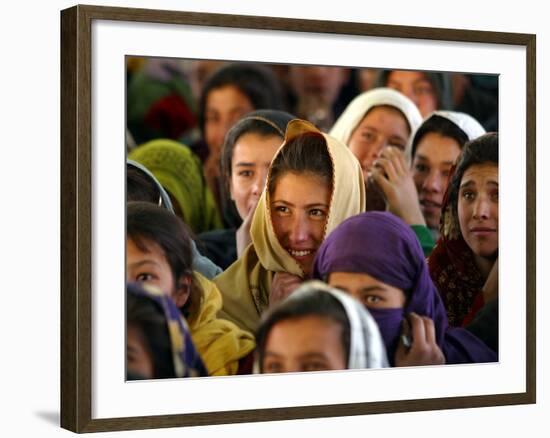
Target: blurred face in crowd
[325, 82]
[478, 208]
[224, 106]
[382, 126]
[299, 210]
[432, 163]
[150, 266]
[200, 71]
[309, 343]
[252, 155]
[417, 87]
[372, 293]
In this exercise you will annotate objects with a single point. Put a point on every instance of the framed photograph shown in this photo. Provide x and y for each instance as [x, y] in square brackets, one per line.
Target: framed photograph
[96, 44]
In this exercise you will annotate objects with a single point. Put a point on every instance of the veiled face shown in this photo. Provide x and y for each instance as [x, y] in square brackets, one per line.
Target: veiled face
[372, 293]
[299, 207]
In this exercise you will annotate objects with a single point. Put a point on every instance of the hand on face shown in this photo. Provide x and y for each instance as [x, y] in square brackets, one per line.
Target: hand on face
[282, 286]
[423, 349]
[391, 173]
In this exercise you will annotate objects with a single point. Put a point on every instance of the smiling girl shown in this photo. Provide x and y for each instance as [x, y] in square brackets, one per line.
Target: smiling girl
[313, 184]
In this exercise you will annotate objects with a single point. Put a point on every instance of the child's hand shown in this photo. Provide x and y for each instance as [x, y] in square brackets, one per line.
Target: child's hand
[423, 349]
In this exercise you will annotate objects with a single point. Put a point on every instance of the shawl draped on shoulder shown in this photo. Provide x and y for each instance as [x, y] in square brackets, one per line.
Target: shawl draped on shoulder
[220, 343]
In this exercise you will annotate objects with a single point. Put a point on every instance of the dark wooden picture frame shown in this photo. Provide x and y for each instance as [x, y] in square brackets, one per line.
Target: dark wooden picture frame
[76, 217]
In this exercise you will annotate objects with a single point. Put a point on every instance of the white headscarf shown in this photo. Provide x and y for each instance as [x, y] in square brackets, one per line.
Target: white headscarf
[471, 127]
[358, 108]
[366, 347]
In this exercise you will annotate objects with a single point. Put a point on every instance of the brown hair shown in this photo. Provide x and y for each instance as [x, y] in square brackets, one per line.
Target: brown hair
[146, 221]
[305, 153]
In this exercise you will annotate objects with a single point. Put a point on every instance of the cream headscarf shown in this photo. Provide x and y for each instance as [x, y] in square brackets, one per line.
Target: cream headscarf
[358, 108]
[246, 284]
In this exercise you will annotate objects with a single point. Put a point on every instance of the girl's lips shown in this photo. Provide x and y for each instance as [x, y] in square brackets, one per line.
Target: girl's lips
[482, 231]
[429, 203]
[299, 254]
[430, 206]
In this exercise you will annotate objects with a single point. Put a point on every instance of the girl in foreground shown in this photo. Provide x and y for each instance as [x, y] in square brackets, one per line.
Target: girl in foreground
[318, 328]
[158, 251]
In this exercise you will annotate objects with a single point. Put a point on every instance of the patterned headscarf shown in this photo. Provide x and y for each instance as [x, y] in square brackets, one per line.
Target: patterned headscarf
[186, 359]
[383, 246]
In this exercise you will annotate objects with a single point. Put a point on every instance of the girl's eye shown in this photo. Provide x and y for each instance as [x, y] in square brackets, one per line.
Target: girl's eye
[144, 277]
[468, 195]
[421, 168]
[281, 209]
[371, 300]
[397, 145]
[317, 212]
[494, 196]
[273, 367]
[245, 173]
[369, 136]
[422, 89]
[314, 366]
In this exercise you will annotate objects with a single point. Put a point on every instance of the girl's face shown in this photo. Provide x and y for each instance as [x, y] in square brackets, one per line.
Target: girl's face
[139, 359]
[371, 292]
[299, 211]
[432, 163]
[309, 343]
[152, 267]
[252, 156]
[478, 208]
[224, 107]
[417, 87]
[382, 126]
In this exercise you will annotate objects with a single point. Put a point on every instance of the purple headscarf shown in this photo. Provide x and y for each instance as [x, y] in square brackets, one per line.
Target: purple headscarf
[383, 246]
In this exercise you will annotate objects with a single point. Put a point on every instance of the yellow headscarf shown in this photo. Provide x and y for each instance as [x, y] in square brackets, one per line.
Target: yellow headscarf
[220, 343]
[246, 284]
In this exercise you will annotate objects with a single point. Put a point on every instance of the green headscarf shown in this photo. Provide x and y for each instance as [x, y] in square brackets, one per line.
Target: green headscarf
[179, 171]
